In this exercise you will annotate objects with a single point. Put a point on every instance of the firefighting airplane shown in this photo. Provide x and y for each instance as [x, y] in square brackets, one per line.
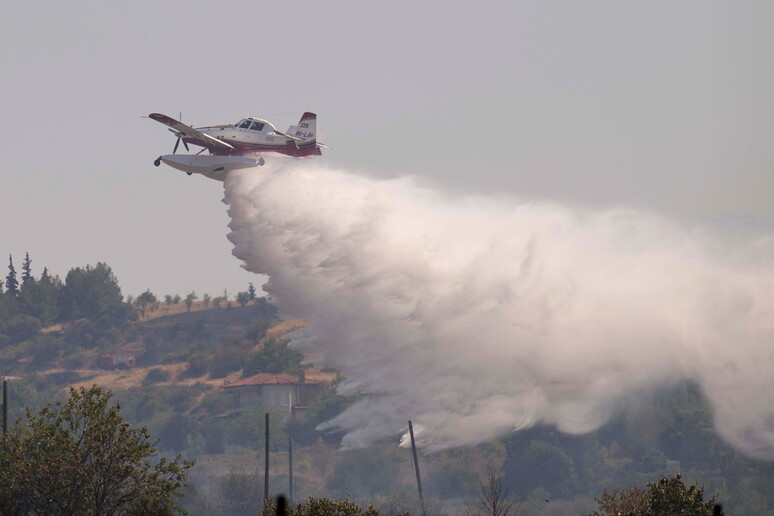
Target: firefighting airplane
[236, 146]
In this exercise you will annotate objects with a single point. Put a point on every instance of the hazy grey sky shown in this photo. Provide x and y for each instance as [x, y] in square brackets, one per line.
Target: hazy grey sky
[665, 105]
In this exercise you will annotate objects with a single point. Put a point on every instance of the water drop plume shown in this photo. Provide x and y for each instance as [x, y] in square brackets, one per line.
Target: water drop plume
[475, 317]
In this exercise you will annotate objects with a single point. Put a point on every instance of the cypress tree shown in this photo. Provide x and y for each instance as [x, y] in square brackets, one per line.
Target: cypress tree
[26, 267]
[11, 283]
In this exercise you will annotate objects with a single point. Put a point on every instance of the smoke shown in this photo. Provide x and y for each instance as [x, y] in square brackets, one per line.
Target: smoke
[475, 317]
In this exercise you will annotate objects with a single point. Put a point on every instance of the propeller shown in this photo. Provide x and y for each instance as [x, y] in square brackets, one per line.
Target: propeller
[177, 143]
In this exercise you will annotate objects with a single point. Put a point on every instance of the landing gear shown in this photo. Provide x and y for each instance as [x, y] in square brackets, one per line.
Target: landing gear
[189, 173]
[157, 162]
[261, 161]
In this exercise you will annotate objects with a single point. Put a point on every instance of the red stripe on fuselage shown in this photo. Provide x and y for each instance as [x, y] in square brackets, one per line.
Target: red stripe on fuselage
[289, 149]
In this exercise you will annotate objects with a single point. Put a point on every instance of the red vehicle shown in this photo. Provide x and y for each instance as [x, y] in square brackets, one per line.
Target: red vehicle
[116, 361]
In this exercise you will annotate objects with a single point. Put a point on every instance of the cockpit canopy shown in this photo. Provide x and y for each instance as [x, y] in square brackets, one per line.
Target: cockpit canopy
[254, 124]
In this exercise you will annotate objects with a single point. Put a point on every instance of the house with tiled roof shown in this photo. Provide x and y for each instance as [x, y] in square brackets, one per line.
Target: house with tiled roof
[285, 393]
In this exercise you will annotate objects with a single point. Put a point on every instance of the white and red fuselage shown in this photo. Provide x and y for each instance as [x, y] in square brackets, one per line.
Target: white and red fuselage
[239, 145]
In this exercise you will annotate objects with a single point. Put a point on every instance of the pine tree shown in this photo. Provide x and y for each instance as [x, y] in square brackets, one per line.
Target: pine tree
[26, 267]
[40, 297]
[251, 292]
[11, 283]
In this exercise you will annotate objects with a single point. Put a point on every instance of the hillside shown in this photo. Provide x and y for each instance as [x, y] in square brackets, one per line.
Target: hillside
[183, 357]
[167, 319]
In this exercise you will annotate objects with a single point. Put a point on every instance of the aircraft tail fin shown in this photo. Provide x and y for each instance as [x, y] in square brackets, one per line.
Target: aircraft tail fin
[306, 128]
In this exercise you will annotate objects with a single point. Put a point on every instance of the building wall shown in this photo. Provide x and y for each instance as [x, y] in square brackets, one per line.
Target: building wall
[277, 397]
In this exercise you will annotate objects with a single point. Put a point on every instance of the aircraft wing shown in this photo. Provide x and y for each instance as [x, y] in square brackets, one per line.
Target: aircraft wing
[186, 131]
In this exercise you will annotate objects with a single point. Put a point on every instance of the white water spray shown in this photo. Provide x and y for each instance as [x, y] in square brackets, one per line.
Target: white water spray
[475, 317]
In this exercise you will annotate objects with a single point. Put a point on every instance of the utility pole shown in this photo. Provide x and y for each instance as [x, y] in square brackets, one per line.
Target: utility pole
[5, 405]
[266, 463]
[416, 467]
[290, 470]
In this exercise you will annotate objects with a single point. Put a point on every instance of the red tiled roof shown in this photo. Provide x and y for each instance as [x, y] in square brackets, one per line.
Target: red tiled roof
[269, 379]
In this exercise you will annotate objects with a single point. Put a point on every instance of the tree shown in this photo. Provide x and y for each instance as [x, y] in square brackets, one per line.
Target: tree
[666, 497]
[671, 496]
[189, 299]
[242, 298]
[146, 299]
[632, 501]
[93, 293]
[11, 283]
[493, 498]
[27, 268]
[275, 357]
[79, 457]
[41, 298]
[251, 292]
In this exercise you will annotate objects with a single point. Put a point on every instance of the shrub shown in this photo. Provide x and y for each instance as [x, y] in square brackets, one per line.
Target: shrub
[197, 364]
[156, 375]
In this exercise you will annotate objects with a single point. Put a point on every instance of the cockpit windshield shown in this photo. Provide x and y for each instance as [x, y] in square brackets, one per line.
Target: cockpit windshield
[257, 126]
[244, 124]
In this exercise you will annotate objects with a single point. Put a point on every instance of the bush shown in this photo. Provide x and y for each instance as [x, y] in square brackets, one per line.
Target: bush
[22, 327]
[257, 329]
[156, 375]
[172, 435]
[60, 378]
[231, 357]
[45, 349]
[324, 507]
[197, 364]
[238, 493]
[81, 334]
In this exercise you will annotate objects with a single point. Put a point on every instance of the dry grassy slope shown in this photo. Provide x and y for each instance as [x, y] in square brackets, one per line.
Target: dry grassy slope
[125, 379]
[163, 310]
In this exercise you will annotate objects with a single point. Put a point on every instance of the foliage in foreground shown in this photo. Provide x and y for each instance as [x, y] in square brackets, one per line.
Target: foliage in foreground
[79, 457]
[322, 507]
[667, 497]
